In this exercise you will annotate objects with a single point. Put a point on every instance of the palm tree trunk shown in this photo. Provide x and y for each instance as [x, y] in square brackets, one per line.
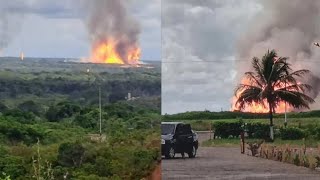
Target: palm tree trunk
[271, 121]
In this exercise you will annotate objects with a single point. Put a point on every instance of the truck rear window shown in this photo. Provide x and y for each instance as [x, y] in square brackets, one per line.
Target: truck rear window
[167, 129]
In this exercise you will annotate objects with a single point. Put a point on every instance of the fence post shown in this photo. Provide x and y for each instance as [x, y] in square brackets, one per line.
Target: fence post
[210, 130]
[242, 142]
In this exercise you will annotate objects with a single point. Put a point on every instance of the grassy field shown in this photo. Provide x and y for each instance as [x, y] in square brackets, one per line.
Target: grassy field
[203, 125]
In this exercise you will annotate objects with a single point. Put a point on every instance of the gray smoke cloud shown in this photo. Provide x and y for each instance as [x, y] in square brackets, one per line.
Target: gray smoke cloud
[290, 27]
[198, 58]
[110, 19]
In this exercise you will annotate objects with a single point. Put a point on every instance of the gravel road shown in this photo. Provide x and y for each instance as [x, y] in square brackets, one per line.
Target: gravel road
[228, 163]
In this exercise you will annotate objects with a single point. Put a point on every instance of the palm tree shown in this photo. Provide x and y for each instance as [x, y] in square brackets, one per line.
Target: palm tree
[272, 81]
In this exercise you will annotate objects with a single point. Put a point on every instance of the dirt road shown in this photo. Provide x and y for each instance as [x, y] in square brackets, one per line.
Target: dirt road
[228, 163]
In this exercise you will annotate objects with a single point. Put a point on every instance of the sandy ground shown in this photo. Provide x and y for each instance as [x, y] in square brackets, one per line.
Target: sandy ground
[156, 174]
[229, 163]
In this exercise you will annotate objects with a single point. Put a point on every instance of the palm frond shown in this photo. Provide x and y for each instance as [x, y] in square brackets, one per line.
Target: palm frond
[291, 77]
[258, 69]
[253, 78]
[267, 62]
[300, 73]
[297, 87]
[241, 87]
[248, 96]
[279, 69]
[295, 99]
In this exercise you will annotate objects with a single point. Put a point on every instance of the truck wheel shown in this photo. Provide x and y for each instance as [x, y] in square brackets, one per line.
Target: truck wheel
[193, 152]
[171, 153]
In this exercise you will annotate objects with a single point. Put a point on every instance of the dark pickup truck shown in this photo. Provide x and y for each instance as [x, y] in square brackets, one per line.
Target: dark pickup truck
[177, 137]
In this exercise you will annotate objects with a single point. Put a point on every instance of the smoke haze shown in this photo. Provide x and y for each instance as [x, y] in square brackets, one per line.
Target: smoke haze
[10, 23]
[290, 27]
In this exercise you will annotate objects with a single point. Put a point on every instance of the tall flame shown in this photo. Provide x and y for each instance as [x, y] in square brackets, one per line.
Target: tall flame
[21, 56]
[257, 107]
[106, 52]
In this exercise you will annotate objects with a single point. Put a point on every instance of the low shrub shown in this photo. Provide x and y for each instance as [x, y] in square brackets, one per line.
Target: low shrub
[226, 129]
[254, 130]
[291, 133]
[258, 130]
[314, 132]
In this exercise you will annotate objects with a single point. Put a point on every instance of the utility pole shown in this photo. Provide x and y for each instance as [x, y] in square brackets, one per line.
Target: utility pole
[285, 103]
[100, 113]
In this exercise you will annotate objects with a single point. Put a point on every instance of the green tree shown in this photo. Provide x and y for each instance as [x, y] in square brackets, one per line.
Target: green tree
[13, 166]
[62, 110]
[71, 154]
[88, 120]
[273, 81]
[30, 106]
[5, 176]
[3, 107]
[20, 116]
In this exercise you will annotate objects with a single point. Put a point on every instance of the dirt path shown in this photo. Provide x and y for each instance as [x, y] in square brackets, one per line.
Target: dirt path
[228, 163]
[156, 174]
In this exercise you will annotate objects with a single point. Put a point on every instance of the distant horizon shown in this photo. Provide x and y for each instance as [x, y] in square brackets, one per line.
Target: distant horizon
[26, 57]
[230, 111]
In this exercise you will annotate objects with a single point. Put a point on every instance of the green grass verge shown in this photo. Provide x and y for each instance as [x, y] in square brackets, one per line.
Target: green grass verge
[203, 125]
[312, 143]
[221, 143]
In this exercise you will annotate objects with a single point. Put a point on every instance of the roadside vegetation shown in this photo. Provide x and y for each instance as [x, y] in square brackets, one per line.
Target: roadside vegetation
[297, 143]
[49, 123]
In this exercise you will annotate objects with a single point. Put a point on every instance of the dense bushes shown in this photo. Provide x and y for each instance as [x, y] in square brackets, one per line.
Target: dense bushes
[12, 165]
[15, 132]
[226, 129]
[20, 116]
[59, 105]
[234, 114]
[258, 130]
[101, 160]
[71, 154]
[129, 152]
[75, 86]
[62, 110]
[291, 133]
[214, 115]
[31, 106]
[254, 130]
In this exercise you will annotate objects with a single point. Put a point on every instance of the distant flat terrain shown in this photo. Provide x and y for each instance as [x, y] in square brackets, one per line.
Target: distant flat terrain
[51, 80]
[71, 65]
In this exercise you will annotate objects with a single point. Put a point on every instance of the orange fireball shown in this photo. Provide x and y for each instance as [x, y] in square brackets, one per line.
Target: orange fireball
[258, 107]
[106, 52]
[271, 85]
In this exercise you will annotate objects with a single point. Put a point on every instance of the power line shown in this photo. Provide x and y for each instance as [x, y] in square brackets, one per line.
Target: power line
[233, 61]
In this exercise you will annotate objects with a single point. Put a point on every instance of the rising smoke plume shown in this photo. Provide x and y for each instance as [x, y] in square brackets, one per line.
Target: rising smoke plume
[10, 23]
[290, 27]
[108, 19]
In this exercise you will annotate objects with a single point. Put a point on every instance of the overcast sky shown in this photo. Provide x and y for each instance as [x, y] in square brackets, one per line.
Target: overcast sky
[194, 32]
[49, 28]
